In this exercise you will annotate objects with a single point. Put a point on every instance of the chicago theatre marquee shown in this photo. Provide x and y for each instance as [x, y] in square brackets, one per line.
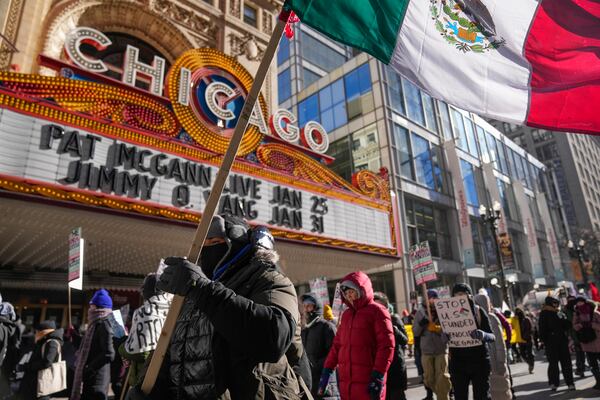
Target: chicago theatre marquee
[129, 150]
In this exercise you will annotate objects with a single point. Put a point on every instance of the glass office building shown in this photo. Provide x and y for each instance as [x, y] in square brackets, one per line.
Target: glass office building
[443, 164]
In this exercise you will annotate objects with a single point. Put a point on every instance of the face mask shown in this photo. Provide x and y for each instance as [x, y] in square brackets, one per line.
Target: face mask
[211, 256]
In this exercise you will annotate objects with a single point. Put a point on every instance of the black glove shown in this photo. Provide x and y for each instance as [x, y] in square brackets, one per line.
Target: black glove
[483, 336]
[376, 385]
[424, 321]
[181, 276]
[135, 393]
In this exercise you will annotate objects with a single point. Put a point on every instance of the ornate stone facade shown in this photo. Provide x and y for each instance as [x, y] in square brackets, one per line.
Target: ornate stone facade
[170, 26]
[9, 32]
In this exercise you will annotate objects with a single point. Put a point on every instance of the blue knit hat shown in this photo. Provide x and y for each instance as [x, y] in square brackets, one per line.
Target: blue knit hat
[101, 299]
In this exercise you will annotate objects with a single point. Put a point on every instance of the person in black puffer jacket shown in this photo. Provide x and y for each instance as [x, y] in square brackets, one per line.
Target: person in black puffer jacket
[554, 327]
[48, 343]
[317, 336]
[397, 379]
[238, 335]
[471, 365]
[10, 340]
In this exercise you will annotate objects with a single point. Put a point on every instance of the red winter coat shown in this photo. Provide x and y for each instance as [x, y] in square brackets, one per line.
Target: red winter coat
[364, 342]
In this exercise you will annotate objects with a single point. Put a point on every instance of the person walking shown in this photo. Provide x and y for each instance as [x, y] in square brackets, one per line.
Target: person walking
[146, 325]
[364, 344]
[10, 341]
[238, 334]
[554, 327]
[397, 378]
[586, 323]
[47, 350]
[525, 342]
[407, 320]
[317, 336]
[434, 350]
[96, 352]
[569, 310]
[500, 385]
[471, 365]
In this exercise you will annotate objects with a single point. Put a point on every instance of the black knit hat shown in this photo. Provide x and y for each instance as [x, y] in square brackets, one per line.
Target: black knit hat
[149, 286]
[551, 301]
[461, 287]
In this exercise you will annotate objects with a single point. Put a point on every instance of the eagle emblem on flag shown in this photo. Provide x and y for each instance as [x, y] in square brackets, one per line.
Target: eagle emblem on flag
[466, 24]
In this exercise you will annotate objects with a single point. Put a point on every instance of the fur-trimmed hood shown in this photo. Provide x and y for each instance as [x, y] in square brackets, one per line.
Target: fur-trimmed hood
[264, 256]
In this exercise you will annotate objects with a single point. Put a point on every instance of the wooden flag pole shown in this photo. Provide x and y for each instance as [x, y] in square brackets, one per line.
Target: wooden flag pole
[213, 199]
[426, 301]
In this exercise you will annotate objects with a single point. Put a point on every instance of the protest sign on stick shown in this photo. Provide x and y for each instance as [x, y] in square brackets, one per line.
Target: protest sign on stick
[423, 268]
[457, 321]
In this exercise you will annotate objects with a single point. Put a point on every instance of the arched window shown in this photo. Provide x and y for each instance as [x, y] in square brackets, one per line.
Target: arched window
[114, 55]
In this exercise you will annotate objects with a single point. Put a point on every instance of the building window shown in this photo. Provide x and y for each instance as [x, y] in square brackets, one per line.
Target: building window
[547, 152]
[395, 91]
[468, 175]
[308, 110]
[502, 157]
[414, 102]
[445, 118]
[319, 54]
[483, 147]
[357, 84]
[471, 137]
[430, 116]
[284, 85]
[367, 155]
[459, 125]
[332, 106]
[308, 77]
[402, 141]
[250, 15]
[423, 164]
[283, 52]
[541, 135]
[426, 223]
[493, 149]
[340, 150]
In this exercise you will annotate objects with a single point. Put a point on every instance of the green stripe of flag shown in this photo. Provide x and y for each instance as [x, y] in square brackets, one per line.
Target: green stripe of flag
[369, 25]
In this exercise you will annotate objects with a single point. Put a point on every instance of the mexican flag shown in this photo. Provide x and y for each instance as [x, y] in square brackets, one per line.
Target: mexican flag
[534, 62]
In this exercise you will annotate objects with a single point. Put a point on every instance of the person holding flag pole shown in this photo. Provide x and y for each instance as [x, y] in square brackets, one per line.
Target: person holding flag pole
[233, 328]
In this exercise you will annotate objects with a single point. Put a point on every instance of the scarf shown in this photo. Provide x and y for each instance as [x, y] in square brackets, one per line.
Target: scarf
[94, 315]
[147, 323]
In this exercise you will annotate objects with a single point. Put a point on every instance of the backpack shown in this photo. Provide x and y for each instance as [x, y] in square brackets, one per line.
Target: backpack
[586, 334]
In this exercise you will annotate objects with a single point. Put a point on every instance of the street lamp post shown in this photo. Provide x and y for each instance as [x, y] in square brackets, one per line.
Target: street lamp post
[577, 251]
[491, 215]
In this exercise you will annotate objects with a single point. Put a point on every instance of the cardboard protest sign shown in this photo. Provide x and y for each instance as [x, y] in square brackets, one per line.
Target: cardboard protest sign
[457, 321]
[319, 287]
[422, 263]
[147, 322]
[338, 306]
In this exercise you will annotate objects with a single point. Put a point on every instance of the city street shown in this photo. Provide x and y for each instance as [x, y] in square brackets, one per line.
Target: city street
[528, 387]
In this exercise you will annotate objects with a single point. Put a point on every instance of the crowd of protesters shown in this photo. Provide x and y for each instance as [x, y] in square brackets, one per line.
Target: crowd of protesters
[243, 333]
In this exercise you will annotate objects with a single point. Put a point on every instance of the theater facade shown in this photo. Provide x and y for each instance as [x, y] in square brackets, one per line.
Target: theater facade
[119, 134]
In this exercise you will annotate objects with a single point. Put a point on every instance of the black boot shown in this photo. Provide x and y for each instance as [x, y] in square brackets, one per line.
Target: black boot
[597, 376]
[429, 394]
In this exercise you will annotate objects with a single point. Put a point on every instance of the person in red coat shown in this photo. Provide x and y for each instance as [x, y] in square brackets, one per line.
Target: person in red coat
[363, 347]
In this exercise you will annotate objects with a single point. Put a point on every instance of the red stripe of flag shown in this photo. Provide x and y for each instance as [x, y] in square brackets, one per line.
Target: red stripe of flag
[563, 47]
